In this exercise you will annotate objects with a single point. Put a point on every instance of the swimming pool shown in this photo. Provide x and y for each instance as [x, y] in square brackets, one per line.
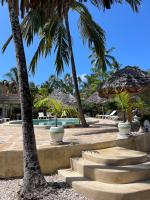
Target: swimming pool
[47, 123]
[60, 121]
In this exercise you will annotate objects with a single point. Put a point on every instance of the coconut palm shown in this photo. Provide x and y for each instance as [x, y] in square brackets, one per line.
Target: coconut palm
[32, 173]
[55, 31]
[33, 179]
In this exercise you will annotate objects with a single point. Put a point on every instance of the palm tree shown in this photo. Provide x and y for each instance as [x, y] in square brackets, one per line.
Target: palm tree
[90, 31]
[109, 60]
[33, 179]
[12, 75]
[54, 31]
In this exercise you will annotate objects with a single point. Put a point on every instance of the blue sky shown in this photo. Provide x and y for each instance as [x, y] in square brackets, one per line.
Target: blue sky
[128, 32]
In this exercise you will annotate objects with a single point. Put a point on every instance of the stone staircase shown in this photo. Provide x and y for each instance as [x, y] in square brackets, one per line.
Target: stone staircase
[110, 174]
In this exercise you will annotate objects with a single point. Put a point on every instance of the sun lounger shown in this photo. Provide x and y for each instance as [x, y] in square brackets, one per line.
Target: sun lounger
[41, 115]
[103, 116]
[49, 115]
[109, 116]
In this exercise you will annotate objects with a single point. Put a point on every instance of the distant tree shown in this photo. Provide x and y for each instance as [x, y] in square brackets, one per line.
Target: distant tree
[12, 75]
[103, 64]
[69, 83]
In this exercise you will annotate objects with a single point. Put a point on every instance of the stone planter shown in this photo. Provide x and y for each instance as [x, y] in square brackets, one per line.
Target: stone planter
[56, 134]
[124, 130]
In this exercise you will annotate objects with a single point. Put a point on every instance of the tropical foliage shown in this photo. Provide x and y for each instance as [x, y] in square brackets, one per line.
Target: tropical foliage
[108, 62]
[126, 103]
[56, 108]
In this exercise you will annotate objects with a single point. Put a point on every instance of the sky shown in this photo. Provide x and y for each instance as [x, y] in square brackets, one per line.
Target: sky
[128, 32]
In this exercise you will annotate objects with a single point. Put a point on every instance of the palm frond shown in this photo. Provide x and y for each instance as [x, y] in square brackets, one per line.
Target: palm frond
[107, 4]
[91, 32]
[61, 49]
[40, 51]
[4, 47]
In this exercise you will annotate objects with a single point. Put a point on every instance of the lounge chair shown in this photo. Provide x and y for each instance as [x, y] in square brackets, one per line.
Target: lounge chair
[41, 115]
[110, 116]
[49, 115]
[103, 116]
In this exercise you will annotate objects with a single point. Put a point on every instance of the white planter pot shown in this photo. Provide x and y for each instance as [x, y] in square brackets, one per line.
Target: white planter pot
[56, 134]
[124, 130]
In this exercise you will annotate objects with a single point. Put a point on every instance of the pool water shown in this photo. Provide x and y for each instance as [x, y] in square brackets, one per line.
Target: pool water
[60, 121]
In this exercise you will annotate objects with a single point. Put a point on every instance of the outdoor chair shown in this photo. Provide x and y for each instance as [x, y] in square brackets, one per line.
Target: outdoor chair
[41, 115]
[110, 116]
[49, 115]
[103, 116]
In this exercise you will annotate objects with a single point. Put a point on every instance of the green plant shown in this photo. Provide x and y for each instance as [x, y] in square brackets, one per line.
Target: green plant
[51, 105]
[123, 101]
[71, 111]
[126, 103]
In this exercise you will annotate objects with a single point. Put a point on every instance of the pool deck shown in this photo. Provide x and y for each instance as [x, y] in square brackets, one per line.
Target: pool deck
[54, 157]
[104, 130]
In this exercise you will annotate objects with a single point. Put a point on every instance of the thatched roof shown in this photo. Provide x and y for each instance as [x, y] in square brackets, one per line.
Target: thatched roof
[130, 79]
[65, 97]
[95, 99]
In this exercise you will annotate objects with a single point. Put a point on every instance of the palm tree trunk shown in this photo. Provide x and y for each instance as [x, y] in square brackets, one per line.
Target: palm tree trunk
[32, 173]
[74, 74]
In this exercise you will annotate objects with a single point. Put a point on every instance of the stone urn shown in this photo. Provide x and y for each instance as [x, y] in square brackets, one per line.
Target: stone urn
[124, 130]
[56, 134]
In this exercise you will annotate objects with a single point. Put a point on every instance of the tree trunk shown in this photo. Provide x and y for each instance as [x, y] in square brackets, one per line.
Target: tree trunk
[33, 179]
[74, 74]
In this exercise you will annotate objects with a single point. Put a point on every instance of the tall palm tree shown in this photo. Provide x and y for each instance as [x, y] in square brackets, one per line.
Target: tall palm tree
[86, 25]
[94, 34]
[54, 31]
[33, 179]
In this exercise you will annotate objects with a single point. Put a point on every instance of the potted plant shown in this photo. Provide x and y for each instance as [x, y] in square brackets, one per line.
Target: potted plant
[127, 104]
[55, 107]
[56, 132]
[123, 101]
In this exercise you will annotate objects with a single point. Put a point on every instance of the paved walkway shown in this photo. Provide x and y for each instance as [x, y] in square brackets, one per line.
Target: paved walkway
[105, 130]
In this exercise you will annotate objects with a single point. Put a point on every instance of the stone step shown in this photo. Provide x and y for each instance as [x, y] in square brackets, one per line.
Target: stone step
[69, 176]
[103, 191]
[111, 174]
[116, 156]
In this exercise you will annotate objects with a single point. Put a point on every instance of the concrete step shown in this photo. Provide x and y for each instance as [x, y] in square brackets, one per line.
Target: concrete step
[111, 174]
[103, 191]
[69, 176]
[116, 156]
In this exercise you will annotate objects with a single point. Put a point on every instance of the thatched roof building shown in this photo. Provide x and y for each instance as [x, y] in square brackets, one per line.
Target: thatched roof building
[130, 79]
[65, 97]
[95, 99]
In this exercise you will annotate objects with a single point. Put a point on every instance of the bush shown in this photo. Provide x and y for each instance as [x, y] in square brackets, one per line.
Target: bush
[71, 112]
